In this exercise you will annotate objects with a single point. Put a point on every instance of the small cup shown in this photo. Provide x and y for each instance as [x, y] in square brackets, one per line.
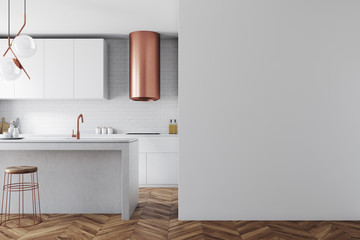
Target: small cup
[6, 135]
[110, 130]
[98, 130]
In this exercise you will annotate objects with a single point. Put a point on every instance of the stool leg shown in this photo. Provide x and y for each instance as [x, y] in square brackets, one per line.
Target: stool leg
[37, 182]
[33, 196]
[19, 199]
[2, 202]
[22, 183]
[7, 191]
[10, 189]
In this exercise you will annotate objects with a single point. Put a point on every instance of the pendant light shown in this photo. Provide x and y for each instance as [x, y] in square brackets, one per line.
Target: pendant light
[8, 69]
[22, 45]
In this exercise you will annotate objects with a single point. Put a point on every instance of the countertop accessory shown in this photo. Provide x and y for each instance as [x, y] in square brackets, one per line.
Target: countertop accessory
[175, 127]
[171, 127]
[144, 66]
[11, 128]
[103, 130]
[15, 133]
[6, 135]
[98, 130]
[5, 126]
[110, 130]
[17, 123]
[31, 183]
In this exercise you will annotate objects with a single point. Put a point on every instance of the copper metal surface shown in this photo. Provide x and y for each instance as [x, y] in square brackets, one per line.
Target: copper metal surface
[20, 187]
[16, 60]
[77, 125]
[144, 66]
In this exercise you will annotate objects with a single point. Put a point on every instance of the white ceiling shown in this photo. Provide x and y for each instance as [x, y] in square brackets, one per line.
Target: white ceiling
[91, 18]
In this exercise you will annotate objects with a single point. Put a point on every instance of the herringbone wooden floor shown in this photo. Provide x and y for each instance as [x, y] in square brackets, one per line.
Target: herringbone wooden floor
[156, 218]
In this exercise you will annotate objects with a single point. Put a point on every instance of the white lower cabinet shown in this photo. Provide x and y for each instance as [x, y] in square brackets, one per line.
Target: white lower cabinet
[162, 168]
[158, 161]
[142, 168]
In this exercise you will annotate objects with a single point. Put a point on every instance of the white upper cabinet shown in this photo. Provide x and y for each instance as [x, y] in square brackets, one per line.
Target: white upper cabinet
[59, 68]
[90, 73]
[34, 87]
[7, 89]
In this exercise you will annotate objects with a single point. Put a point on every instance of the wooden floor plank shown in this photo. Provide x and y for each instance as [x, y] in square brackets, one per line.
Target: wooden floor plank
[156, 218]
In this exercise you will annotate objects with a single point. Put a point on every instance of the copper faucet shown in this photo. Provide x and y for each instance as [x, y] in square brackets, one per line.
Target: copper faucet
[77, 130]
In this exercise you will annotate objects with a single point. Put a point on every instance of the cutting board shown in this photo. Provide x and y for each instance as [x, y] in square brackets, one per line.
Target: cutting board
[4, 126]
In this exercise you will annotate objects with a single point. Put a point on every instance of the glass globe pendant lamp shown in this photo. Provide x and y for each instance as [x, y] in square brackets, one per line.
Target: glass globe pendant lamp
[9, 71]
[21, 45]
[24, 46]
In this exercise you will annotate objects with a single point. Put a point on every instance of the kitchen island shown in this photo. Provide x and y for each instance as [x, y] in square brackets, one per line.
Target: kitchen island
[89, 175]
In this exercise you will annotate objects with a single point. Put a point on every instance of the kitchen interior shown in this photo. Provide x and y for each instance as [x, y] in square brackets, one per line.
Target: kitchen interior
[94, 115]
[179, 119]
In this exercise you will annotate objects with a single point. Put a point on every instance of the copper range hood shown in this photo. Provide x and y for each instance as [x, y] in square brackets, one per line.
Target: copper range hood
[144, 66]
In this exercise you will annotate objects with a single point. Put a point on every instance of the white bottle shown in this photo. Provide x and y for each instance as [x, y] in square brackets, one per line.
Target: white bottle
[103, 130]
[175, 127]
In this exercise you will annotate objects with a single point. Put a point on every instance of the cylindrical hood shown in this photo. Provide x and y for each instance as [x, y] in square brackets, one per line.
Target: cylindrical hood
[144, 66]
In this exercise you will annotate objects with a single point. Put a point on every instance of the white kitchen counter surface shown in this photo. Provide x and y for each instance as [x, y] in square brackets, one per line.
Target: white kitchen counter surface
[52, 139]
[98, 136]
[67, 143]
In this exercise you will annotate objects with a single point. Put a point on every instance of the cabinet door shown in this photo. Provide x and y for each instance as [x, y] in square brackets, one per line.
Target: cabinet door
[34, 87]
[7, 88]
[59, 68]
[89, 68]
[162, 168]
[142, 168]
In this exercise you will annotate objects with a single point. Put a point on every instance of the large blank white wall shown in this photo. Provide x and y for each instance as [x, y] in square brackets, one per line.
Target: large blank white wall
[269, 100]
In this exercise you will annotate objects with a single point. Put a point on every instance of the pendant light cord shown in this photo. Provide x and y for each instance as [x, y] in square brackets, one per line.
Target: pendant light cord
[24, 6]
[8, 18]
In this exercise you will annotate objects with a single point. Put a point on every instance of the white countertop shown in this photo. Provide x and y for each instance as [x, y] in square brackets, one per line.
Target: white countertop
[67, 140]
[84, 138]
[65, 143]
[96, 136]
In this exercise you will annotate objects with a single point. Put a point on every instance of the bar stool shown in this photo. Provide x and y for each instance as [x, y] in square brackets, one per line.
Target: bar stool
[20, 186]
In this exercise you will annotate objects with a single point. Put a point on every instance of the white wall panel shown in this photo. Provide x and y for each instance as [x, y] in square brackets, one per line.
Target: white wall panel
[269, 97]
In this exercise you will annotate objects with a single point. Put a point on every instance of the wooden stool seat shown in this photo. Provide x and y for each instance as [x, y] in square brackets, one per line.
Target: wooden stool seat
[20, 169]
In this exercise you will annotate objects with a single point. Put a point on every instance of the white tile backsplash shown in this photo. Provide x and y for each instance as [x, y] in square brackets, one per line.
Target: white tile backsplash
[119, 112]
